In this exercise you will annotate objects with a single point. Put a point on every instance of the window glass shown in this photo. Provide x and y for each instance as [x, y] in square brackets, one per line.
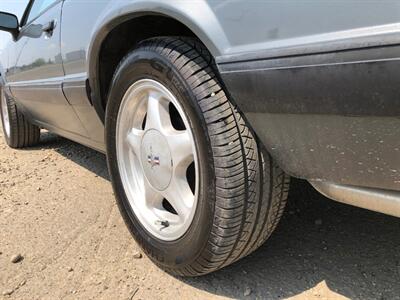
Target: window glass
[37, 7]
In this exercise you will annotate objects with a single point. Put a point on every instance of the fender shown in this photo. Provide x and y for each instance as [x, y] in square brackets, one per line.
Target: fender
[201, 21]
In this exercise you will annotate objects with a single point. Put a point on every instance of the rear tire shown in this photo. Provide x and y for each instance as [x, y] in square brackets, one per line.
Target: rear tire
[17, 130]
[242, 192]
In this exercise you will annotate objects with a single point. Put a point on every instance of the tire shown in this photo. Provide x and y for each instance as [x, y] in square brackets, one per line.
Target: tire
[242, 192]
[20, 132]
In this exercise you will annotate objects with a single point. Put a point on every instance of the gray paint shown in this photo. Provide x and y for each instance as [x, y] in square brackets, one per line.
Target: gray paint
[54, 92]
[36, 78]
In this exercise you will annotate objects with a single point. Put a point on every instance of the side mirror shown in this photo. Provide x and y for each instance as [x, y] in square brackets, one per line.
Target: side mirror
[9, 23]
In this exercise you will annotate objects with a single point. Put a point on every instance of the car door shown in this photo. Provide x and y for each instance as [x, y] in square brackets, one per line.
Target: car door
[37, 76]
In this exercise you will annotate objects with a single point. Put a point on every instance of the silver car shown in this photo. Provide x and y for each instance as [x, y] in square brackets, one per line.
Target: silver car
[206, 108]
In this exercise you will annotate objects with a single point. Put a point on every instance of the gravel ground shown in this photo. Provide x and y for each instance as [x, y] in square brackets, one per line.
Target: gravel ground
[57, 211]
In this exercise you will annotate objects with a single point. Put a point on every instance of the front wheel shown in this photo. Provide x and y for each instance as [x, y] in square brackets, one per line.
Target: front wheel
[17, 130]
[193, 186]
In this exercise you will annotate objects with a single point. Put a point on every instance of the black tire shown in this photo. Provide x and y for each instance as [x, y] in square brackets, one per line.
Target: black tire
[22, 133]
[242, 191]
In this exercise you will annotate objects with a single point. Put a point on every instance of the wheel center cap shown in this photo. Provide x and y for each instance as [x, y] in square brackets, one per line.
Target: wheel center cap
[156, 159]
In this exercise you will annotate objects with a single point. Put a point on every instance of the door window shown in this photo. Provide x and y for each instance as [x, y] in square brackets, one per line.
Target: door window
[37, 7]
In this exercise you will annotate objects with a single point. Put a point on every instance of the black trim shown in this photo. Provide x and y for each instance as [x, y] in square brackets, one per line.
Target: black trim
[331, 116]
[348, 83]
[14, 31]
[88, 91]
[26, 13]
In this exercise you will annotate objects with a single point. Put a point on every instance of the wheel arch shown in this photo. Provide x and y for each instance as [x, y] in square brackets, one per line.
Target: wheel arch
[177, 22]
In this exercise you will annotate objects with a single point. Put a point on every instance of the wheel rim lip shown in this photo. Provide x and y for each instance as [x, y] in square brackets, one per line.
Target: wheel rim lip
[127, 164]
[5, 114]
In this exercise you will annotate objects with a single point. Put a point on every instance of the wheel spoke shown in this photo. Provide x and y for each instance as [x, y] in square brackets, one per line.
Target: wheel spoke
[181, 150]
[180, 196]
[152, 197]
[134, 139]
[157, 112]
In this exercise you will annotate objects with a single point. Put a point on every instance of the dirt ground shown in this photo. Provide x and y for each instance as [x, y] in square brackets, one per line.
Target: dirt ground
[57, 210]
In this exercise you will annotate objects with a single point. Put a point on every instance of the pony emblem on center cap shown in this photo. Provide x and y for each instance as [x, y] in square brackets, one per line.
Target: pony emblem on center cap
[153, 160]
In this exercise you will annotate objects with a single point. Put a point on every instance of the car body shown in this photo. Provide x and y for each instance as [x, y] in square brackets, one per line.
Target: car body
[317, 82]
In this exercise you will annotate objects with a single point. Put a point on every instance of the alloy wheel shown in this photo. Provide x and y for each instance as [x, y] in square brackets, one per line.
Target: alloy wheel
[157, 159]
[4, 112]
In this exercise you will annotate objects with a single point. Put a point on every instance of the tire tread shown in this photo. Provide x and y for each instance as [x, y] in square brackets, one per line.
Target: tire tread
[251, 190]
[22, 132]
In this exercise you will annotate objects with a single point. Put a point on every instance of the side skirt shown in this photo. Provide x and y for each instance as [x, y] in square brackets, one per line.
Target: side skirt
[383, 201]
[100, 147]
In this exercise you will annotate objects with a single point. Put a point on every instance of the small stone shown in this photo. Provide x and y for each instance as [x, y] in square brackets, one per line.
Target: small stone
[8, 292]
[16, 258]
[137, 255]
[39, 189]
[318, 222]
[22, 283]
[70, 269]
[247, 292]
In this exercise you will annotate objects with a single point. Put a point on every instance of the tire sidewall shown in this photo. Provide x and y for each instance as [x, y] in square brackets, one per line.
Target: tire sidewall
[145, 64]
[6, 137]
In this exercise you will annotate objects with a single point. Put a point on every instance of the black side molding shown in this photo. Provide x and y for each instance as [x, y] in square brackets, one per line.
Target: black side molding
[348, 83]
